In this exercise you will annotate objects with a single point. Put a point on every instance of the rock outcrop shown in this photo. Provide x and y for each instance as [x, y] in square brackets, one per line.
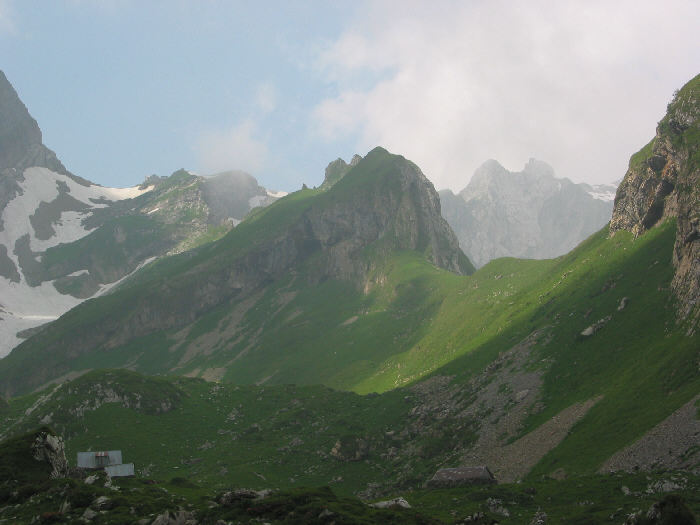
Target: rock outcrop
[461, 476]
[21, 143]
[662, 182]
[528, 214]
[51, 450]
[337, 169]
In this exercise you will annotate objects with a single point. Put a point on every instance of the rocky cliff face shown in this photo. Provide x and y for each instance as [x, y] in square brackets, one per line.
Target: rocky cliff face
[663, 181]
[385, 201]
[20, 137]
[528, 214]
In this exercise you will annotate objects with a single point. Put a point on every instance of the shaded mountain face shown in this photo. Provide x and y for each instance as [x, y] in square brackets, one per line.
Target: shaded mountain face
[529, 214]
[64, 239]
[383, 206]
[20, 137]
[662, 182]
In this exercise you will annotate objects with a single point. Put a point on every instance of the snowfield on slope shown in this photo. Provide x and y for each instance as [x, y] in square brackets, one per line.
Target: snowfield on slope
[23, 306]
[42, 185]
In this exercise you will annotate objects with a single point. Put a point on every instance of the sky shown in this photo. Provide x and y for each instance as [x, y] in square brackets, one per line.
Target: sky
[125, 88]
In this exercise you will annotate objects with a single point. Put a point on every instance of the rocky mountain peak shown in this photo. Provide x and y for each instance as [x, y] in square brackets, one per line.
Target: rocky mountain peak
[349, 233]
[20, 137]
[486, 172]
[334, 172]
[337, 169]
[491, 178]
[663, 181]
[94, 236]
[530, 213]
[538, 168]
[386, 199]
[18, 130]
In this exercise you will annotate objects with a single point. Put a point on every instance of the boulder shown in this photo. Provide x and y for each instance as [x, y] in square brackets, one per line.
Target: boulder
[461, 476]
[50, 448]
[396, 503]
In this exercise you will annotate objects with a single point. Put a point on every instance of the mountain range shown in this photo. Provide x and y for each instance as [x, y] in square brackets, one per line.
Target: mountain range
[528, 214]
[340, 337]
[64, 239]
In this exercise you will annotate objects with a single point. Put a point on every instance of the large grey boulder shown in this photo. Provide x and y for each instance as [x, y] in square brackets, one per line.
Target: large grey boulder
[51, 449]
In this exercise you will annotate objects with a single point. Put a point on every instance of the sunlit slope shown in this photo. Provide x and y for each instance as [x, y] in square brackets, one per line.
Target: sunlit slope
[460, 335]
[204, 310]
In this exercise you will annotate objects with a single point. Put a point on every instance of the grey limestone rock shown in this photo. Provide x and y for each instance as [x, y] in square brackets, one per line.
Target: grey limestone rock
[396, 503]
[51, 449]
[526, 214]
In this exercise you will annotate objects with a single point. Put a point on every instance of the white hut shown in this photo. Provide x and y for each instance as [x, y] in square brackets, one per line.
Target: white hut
[108, 460]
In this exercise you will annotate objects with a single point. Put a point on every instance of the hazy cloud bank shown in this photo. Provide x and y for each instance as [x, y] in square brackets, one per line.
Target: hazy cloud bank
[239, 147]
[580, 85]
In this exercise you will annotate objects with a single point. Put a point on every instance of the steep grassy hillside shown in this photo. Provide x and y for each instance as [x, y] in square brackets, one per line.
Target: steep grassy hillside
[584, 350]
[528, 372]
[202, 311]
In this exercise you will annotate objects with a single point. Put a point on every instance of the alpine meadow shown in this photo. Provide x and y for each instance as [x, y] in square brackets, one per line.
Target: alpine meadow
[364, 351]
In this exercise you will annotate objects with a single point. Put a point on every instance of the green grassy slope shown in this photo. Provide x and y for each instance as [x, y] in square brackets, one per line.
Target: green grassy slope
[219, 436]
[636, 363]
[273, 255]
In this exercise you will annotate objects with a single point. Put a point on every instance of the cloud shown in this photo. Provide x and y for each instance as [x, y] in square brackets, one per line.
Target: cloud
[236, 148]
[266, 98]
[580, 85]
[7, 22]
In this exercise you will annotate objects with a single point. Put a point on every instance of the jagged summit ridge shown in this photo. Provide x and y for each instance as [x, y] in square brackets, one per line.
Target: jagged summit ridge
[21, 143]
[337, 169]
[529, 213]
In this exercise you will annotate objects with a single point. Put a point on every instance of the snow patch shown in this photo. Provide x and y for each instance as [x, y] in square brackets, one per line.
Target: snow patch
[264, 200]
[41, 185]
[118, 194]
[603, 192]
[153, 211]
[69, 228]
[606, 196]
[27, 307]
